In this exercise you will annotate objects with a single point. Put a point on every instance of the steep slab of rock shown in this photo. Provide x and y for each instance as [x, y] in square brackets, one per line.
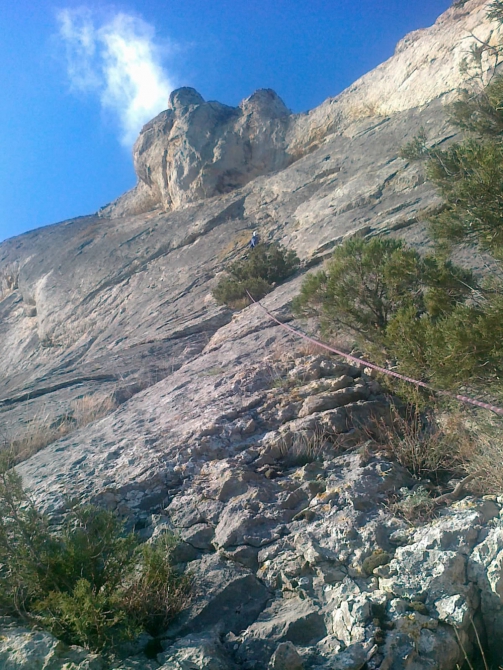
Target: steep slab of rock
[196, 149]
[304, 561]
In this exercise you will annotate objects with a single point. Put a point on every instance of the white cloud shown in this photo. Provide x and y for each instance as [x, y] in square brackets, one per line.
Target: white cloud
[119, 59]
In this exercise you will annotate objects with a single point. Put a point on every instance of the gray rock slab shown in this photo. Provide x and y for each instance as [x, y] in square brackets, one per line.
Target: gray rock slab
[227, 598]
[286, 657]
[203, 652]
[288, 620]
[22, 649]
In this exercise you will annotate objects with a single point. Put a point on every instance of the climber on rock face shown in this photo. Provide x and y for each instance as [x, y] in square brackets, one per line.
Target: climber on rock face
[254, 240]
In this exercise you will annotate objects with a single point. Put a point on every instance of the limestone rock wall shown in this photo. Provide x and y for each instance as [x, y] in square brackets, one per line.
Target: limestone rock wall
[425, 67]
[206, 399]
[196, 150]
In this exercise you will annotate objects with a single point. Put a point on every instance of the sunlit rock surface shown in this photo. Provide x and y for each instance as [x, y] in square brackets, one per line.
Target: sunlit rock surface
[118, 305]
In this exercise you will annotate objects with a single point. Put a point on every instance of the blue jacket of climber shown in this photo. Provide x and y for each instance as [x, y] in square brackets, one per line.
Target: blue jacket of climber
[254, 240]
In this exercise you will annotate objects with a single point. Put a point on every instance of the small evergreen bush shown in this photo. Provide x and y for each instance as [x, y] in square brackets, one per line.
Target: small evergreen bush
[417, 312]
[232, 292]
[89, 583]
[363, 285]
[469, 173]
[416, 148]
[266, 265]
[469, 176]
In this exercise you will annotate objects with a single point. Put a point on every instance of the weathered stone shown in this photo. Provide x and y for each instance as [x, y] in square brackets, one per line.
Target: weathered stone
[202, 652]
[286, 657]
[331, 572]
[227, 598]
[245, 555]
[417, 642]
[434, 573]
[454, 611]
[322, 385]
[21, 649]
[349, 619]
[200, 536]
[485, 568]
[320, 403]
[293, 620]
[215, 157]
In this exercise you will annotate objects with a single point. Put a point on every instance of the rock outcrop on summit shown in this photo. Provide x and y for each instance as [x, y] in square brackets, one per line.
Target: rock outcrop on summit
[196, 150]
[298, 565]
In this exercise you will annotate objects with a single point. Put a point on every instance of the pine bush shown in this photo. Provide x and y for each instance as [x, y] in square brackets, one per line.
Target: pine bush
[90, 583]
[265, 266]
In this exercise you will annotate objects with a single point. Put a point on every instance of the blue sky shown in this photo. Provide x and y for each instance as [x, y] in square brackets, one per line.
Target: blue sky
[79, 79]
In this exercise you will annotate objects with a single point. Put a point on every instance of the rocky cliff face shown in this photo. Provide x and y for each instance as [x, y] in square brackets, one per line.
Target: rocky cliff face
[119, 305]
[196, 149]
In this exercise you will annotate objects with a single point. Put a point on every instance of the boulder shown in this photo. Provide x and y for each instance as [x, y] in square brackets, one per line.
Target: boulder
[286, 657]
[485, 568]
[196, 652]
[227, 598]
[320, 403]
[295, 620]
[22, 649]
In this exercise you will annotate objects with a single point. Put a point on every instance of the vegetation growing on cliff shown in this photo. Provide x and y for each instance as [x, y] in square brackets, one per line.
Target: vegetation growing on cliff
[426, 317]
[88, 582]
[265, 266]
[423, 314]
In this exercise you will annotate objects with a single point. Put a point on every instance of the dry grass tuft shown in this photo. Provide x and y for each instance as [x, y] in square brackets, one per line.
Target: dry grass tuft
[486, 461]
[437, 448]
[42, 431]
[239, 303]
[424, 445]
[415, 506]
[305, 448]
[90, 408]
[38, 435]
[311, 349]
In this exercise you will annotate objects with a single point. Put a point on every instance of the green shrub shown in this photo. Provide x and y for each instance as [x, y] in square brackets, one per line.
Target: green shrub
[416, 148]
[495, 12]
[414, 311]
[89, 583]
[159, 592]
[233, 293]
[469, 173]
[463, 347]
[92, 619]
[265, 265]
[469, 176]
[454, 342]
[416, 506]
[368, 282]
[363, 285]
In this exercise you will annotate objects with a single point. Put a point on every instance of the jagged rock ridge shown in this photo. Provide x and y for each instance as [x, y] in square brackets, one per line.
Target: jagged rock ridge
[120, 304]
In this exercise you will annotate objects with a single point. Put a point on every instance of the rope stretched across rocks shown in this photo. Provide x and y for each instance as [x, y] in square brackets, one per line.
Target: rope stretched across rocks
[372, 366]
